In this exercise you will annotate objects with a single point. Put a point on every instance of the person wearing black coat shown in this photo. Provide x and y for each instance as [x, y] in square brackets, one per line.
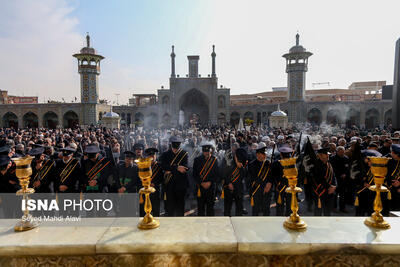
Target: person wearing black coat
[8, 186]
[324, 184]
[205, 174]
[233, 178]
[282, 199]
[174, 163]
[260, 181]
[345, 189]
[42, 171]
[67, 172]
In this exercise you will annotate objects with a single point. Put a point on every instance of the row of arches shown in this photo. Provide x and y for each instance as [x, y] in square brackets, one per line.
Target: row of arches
[31, 120]
[150, 120]
[333, 117]
[221, 101]
[350, 117]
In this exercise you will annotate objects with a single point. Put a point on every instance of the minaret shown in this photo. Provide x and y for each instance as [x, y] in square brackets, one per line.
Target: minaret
[173, 63]
[396, 89]
[213, 55]
[89, 69]
[296, 68]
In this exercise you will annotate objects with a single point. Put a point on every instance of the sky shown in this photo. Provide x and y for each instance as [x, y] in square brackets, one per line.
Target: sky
[350, 41]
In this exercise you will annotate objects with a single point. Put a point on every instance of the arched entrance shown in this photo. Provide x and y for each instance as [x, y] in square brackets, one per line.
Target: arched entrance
[333, 117]
[235, 117]
[314, 116]
[352, 118]
[50, 120]
[221, 118]
[139, 119]
[194, 102]
[151, 120]
[30, 120]
[388, 117]
[371, 118]
[166, 120]
[71, 119]
[10, 120]
[248, 118]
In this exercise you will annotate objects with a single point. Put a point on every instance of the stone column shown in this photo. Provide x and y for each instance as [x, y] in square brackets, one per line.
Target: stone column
[362, 116]
[40, 118]
[20, 120]
[396, 89]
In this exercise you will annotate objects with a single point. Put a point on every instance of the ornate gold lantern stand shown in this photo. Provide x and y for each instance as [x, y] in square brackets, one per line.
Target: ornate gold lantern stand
[23, 172]
[294, 222]
[148, 221]
[379, 170]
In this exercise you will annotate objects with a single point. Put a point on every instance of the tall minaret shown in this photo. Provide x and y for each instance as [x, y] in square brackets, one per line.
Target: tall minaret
[173, 63]
[396, 89]
[213, 55]
[89, 69]
[296, 68]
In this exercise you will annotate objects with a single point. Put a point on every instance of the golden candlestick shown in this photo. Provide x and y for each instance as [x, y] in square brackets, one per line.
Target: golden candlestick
[148, 222]
[23, 172]
[379, 170]
[294, 222]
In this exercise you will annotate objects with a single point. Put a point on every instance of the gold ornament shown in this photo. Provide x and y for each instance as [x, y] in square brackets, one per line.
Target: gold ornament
[379, 170]
[294, 222]
[148, 222]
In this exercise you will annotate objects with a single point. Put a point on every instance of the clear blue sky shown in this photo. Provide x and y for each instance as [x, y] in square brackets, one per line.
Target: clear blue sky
[351, 41]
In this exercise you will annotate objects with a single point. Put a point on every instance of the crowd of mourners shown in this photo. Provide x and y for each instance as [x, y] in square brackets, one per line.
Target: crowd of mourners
[210, 164]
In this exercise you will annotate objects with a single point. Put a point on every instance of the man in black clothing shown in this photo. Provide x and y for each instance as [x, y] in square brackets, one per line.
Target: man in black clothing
[393, 178]
[205, 174]
[128, 182]
[42, 170]
[385, 149]
[324, 184]
[283, 199]
[8, 184]
[174, 164]
[233, 179]
[341, 167]
[363, 180]
[157, 177]
[97, 171]
[260, 182]
[67, 172]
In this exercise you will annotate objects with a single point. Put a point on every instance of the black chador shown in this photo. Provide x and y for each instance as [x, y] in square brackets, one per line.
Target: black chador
[173, 162]
[233, 187]
[205, 174]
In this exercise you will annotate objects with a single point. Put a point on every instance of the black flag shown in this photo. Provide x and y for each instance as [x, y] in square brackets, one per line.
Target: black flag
[357, 166]
[309, 157]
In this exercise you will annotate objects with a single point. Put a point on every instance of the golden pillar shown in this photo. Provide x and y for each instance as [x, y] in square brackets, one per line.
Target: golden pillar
[294, 222]
[23, 172]
[379, 170]
[148, 222]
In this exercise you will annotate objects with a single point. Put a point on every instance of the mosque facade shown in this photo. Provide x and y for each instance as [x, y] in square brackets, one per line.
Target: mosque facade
[196, 99]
